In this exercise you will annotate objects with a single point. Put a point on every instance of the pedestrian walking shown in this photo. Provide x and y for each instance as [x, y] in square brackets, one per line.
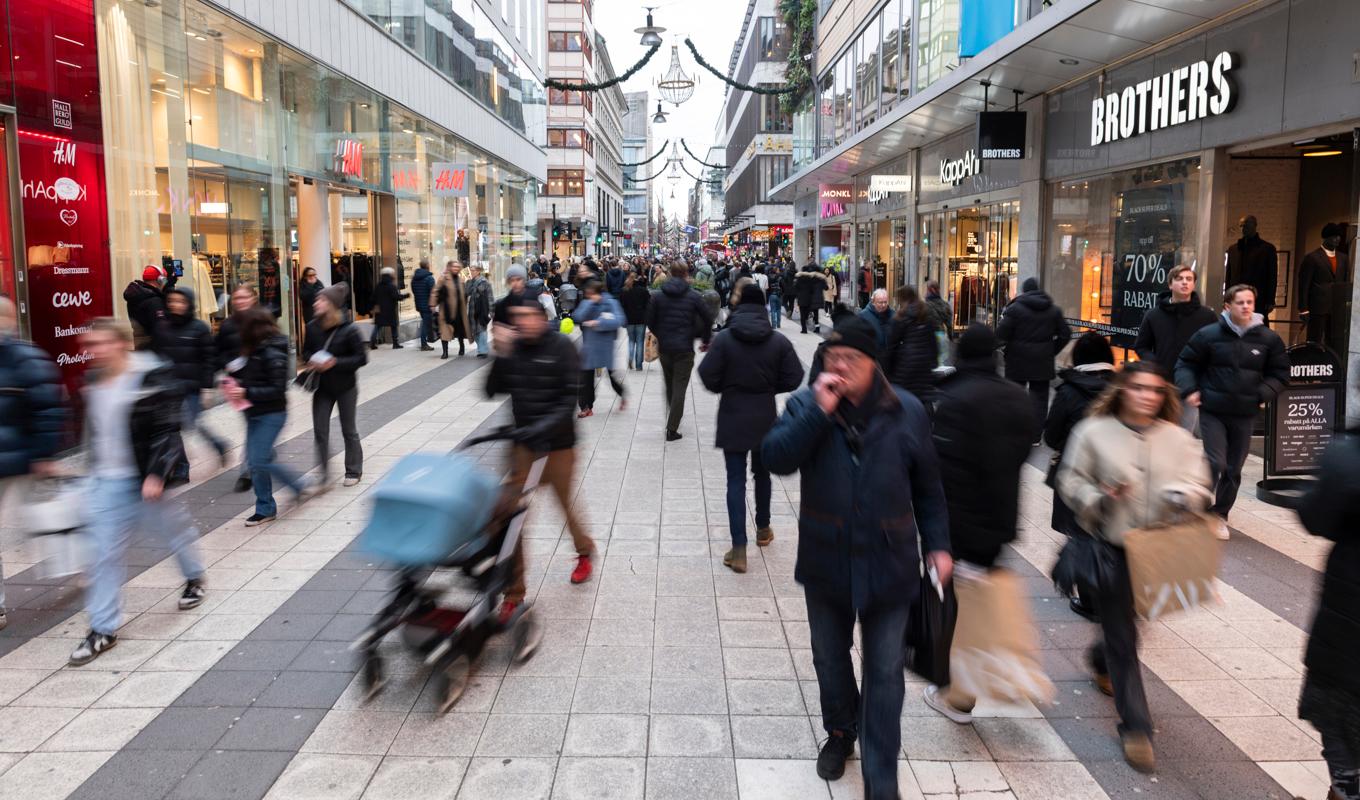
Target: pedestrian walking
[32, 415]
[788, 284]
[132, 417]
[187, 343]
[832, 293]
[677, 316]
[334, 350]
[1129, 465]
[227, 345]
[1227, 370]
[775, 294]
[479, 303]
[913, 350]
[600, 317]
[146, 303]
[1169, 324]
[540, 372]
[1330, 699]
[636, 297]
[450, 300]
[308, 288]
[1033, 331]
[386, 296]
[940, 311]
[259, 387]
[811, 286]
[422, 286]
[983, 430]
[870, 484]
[748, 364]
[614, 278]
[878, 313]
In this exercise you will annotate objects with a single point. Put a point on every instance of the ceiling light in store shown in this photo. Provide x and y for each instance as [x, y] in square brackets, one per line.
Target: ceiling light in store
[200, 38]
[1071, 62]
[212, 208]
[202, 91]
[407, 130]
[1321, 153]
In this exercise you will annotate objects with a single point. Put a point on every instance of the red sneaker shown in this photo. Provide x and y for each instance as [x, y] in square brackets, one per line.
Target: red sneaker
[507, 612]
[583, 569]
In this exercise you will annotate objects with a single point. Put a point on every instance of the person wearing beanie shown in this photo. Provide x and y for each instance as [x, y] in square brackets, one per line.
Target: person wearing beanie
[983, 430]
[333, 349]
[748, 364]
[1033, 331]
[187, 343]
[146, 304]
[386, 296]
[870, 486]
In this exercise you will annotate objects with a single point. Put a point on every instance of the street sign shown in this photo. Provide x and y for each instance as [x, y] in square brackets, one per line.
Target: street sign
[1301, 422]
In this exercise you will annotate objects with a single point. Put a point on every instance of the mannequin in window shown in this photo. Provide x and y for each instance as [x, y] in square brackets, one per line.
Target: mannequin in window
[1252, 260]
[464, 247]
[1318, 271]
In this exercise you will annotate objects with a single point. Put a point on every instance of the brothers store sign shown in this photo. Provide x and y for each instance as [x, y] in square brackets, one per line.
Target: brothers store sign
[1198, 90]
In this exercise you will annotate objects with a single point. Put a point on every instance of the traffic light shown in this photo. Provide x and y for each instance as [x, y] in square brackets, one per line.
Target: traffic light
[557, 231]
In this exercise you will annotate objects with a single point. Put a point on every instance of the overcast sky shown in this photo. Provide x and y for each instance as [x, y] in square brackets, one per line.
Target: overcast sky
[712, 25]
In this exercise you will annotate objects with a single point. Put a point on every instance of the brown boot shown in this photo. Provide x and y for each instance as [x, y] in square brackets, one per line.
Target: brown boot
[1138, 751]
[1103, 683]
[764, 536]
[735, 559]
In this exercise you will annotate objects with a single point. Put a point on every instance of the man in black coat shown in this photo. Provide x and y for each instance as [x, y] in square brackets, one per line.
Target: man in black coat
[1034, 332]
[422, 283]
[677, 316]
[1227, 371]
[1168, 325]
[809, 285]
[748, 365]
[386, 296]
[146, 303]
[187, 343]
[1252, 260]
[1319, 271]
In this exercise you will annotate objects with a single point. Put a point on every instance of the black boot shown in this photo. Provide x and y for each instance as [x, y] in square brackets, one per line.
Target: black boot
[445, 345]
[461, 347]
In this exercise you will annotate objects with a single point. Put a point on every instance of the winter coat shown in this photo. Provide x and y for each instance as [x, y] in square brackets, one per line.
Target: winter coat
[449, 301]
[881, 322]
[145, 305]
[1254, 262]
[941, 313]
[912, 353]
[1162, 468]
[833, 288]
[809, 286]
[983, 430]
[613, 280]
[1317, 280]
[479, 302]
[597, 343]
[1034, 332]
[348, 347]
[307, 293]
[676, 316]
[748, 365]
[1079, 389]
[865, 495]
[187, 343]
[33, 413]
[422, 285]
[154, 422]
[386, 296]
[1233, 373]
[1168, 326]
[788, 284]
[1331, 509]
[634, 302]
[541, 379]
[265, 378]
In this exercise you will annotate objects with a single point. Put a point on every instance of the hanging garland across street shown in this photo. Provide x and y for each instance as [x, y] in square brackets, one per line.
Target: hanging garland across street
[700, 160]
[696, 177]
[650, 160]
[734, 84]
[645, 180]
[553, 83]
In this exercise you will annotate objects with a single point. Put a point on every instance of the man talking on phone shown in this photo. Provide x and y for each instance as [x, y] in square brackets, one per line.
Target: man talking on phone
[870, 482]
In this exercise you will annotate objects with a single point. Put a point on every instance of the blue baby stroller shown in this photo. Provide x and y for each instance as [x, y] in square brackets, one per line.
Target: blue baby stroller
[568, 297]
[440, 511]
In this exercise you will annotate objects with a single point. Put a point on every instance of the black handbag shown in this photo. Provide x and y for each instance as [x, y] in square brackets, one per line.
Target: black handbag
[930, 632]
[1082, 563]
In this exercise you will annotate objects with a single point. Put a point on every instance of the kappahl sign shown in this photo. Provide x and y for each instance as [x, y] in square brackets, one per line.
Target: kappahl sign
[1199, 90]
[953, 171]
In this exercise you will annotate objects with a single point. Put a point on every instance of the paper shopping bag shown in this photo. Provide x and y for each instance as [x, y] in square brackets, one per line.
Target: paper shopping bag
[996, 646]
[1172, 567]
[651, 348]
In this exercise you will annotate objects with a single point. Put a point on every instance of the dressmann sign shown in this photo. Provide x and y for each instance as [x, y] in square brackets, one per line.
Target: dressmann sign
[1198, 90]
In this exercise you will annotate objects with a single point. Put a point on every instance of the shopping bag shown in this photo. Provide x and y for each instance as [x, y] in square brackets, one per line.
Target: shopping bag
[51, 515]
[1172, 567]
[1079, 566]
[651, 348]
[929, 632]
[996, 646]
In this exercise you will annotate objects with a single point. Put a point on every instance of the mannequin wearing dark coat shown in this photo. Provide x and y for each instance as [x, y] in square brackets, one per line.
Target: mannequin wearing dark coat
[1252, 260]
[1317, 279]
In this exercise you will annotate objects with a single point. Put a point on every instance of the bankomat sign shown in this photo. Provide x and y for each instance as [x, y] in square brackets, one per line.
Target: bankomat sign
[1196, 91]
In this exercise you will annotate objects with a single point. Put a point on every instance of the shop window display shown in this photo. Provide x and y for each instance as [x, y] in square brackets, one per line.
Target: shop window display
[973, 254]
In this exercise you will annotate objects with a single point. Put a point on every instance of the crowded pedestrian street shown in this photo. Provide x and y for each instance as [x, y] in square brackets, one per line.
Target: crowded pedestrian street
[666, 676]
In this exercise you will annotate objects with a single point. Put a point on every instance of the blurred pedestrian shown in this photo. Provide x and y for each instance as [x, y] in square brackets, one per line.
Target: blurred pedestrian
[146, 303]
[1033, 331]
[811, 286]
[748, 365]
[479, 305]
[422, 285]
[187, 343]
[386, 297]
[450, 301]
[913, 350]
[940, 311]
[677, 316]
[1129, 465]
[635, 298]
[869, 482]
[878, 313]
[132, 413]
[227, 345]
[333, 348]
[1227, 370]
[600, 317]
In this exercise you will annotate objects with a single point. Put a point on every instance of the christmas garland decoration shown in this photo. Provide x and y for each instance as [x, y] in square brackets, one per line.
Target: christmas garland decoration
[734, 84]
[700, 160]
[696, 177]
[553, 83]
[645, 180]
[650, 160]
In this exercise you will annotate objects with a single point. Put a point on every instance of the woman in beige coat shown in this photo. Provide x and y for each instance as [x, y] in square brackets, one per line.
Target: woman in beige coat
[1129, 465]
[449, 301]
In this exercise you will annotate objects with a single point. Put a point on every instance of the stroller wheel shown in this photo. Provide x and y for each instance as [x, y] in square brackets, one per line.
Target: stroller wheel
[375, 677]
[451, 682]
[527, 634]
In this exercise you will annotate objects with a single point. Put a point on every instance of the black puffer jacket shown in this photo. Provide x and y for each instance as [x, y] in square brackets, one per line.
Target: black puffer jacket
[912, 353]
[1233, 374]
[748, 365]
[307, 293]
[32, 414]
[348, 347]
[635, 301]
[145, 305]
[541, 378]
[265, 378]
[227, 343]
[677, 316]
[984, 425]
[1078, 390]
[187, 343]
[154, 423]
[1168, 326]
[386, 296]
[1033, 332]
[809, 285]
[1331, 509]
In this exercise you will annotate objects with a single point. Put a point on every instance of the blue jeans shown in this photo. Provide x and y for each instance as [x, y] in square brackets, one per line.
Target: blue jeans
[776, 307]
[115, 506]
[193, 407]
[261, 433]
[482, 347]
[874, 714]
[736, 493]
[426, 325]
[637, 337]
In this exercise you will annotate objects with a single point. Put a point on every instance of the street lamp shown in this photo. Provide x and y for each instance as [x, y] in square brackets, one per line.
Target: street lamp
[651, 34]
[660, 116]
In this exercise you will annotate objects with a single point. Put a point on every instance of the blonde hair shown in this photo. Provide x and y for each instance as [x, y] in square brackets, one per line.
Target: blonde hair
[1110, 401]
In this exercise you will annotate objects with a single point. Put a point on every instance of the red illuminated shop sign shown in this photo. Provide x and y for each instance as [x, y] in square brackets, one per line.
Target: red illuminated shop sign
[349, 158]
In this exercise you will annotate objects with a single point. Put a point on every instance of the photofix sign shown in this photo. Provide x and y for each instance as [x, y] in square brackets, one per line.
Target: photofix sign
[1185, 94]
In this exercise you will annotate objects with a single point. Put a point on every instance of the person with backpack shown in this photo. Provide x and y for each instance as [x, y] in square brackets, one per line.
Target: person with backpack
[422, 284]
[146, 303]
[1033, 331]
[187, 343]
[333, 349]
[600, 317]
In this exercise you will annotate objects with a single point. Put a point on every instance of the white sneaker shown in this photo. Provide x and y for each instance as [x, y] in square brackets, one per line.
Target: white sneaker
[1221, 530]
[932, 697]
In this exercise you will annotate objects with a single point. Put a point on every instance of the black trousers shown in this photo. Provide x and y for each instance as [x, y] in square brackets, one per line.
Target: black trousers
[1226, 442]
[1116, 654]
[808, 309]
[585, 389]
[1319, 327]
[675, 372]
[1038, 396]
[396, 338]
[348, 402]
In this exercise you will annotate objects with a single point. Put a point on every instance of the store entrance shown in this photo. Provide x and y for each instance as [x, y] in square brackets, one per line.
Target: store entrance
[9, 210]
[973, 254]
[229, 237]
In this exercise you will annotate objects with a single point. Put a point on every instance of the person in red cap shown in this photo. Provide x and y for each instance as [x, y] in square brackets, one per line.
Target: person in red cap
[146, 303]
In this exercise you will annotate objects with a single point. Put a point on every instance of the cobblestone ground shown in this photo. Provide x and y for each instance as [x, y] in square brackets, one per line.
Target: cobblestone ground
[666, 676]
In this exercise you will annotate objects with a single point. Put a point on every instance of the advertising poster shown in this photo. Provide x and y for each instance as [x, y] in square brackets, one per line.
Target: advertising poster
[1147, 244]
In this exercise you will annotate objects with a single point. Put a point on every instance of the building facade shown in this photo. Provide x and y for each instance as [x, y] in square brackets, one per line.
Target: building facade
[637, 195]
[240, 143]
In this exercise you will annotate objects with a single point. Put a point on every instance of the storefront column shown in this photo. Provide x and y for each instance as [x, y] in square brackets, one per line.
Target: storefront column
[1352, 409]
[1030, 247]
[176, 62]
[314, 228]
[1211, 242]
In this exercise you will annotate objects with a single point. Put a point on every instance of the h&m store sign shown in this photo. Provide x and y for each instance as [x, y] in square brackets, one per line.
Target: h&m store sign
[1195, 91]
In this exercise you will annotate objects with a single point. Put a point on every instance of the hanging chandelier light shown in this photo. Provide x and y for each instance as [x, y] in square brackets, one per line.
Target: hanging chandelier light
[651, 34]
[660, 116]
[675, 86]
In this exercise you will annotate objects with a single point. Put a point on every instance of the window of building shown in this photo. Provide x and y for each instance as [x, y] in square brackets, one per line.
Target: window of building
[570, 97]
[867, 82]
[573, 138]
[938, 51]
[773, 117]
[567, 42]
[566, 183]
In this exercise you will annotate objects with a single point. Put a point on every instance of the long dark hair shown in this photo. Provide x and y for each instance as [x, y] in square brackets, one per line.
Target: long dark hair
[909, 306]
[1110, 402]
[257, 326]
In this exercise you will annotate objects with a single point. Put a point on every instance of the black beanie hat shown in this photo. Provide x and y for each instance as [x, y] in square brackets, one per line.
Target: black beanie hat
[1091, 348]
[751, 295]
[855, 332]
[1030, 284]
[978, 341]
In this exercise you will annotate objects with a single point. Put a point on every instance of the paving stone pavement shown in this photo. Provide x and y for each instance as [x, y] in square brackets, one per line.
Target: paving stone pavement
[666, 676]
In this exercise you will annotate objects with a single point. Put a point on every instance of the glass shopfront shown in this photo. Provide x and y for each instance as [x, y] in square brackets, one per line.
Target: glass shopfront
[973, 253]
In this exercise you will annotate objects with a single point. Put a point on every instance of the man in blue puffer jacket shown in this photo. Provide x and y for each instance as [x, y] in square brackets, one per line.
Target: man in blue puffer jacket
[422, 283]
